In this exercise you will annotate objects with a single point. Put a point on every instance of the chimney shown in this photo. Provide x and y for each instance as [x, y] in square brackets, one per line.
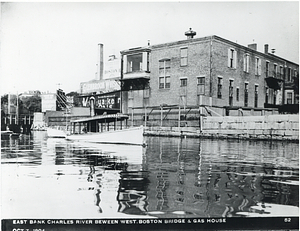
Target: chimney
[266, 48]
[111, 57]
[100, 62]
[253, 46]
[273, 50]
[190, 34]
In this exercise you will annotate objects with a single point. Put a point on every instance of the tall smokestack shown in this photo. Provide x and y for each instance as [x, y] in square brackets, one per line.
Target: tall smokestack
[100, 62]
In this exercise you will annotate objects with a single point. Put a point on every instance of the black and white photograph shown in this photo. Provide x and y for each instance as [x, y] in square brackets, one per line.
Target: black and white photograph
[140, 115]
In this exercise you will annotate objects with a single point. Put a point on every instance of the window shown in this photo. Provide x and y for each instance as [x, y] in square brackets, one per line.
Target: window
[281, 72]
[267, 68]
[183, 87]
[134, 62]
[183, 56]
[167, 81]
[289, 98]
[246, 63]
[219, 93]
[200, 85]
[289, 75]
[231, 58]
[230, 92]
[164, 73]
[273, 92]
[161, 82]
[295, 74]
[275, 70]
[183, 82]
[255, 95]
[237, 94]
[267, 95]
[257, 66]
[246, 95]
[164, 82]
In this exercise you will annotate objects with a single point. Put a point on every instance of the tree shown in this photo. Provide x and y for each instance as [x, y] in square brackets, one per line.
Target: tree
[32, 104]
[4, 99]
[75, 97]
[4, 105]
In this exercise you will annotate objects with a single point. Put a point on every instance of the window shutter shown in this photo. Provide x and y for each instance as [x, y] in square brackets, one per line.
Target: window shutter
[234, 59]
[259, 66]
[245, 61]
[144, 61]
[248, 63]
[125, 64]
[229, 56]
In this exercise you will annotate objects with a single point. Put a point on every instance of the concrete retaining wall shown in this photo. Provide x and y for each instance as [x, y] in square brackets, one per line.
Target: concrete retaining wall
[271, 127]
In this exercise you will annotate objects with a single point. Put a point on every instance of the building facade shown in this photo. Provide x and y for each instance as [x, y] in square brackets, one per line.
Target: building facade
[210, 73]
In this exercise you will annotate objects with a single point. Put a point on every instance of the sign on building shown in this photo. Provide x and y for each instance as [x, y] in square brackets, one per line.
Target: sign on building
[106, 85]
[109, 100]
[112, 68]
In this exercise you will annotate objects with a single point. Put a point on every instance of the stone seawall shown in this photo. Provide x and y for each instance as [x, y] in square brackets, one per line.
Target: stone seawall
[271, 127]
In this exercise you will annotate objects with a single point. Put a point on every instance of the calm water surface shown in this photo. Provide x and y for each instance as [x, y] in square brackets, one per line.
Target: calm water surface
[172, 177]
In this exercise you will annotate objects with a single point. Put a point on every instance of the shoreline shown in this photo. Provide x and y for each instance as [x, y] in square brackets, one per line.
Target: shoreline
[220, 135]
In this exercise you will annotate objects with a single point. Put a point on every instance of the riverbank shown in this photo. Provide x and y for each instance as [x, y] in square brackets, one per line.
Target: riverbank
[271, 127]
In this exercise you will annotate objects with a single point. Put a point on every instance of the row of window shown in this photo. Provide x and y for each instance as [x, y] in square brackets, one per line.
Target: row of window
[201, 89]
[247, 64]
[164, 82]
[165, 64]
[276, 72]
[246, 93]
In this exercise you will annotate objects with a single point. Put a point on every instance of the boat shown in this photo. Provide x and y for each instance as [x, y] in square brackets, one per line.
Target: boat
[107, 128]
[55, 132]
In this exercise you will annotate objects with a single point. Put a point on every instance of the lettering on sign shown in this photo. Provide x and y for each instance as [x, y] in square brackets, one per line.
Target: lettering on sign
[100, 101]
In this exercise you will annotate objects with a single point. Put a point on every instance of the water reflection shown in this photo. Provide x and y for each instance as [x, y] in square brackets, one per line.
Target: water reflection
[172, 177]
[220, 178]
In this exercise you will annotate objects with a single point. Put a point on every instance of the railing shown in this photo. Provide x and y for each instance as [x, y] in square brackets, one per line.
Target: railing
[275, 74]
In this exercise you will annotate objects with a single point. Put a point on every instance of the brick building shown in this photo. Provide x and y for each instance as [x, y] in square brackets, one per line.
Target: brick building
[208, 75]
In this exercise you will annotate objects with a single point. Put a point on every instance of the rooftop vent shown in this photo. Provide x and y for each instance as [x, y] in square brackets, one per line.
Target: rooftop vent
[190, 34]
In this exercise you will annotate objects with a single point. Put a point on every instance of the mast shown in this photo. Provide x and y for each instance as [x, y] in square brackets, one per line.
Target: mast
[17, 109]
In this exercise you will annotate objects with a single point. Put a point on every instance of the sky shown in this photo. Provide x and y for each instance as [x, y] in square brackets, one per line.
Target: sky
[46, 45]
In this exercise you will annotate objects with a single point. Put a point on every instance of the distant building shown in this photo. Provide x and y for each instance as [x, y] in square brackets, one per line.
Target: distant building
[209, 72]
[62, 119]
[54, 101]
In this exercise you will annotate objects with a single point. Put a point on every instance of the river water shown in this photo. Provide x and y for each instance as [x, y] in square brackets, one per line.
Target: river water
[170, 178]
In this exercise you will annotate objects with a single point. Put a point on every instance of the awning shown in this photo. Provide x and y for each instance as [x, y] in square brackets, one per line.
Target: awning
[273, 83]
[136, 83]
